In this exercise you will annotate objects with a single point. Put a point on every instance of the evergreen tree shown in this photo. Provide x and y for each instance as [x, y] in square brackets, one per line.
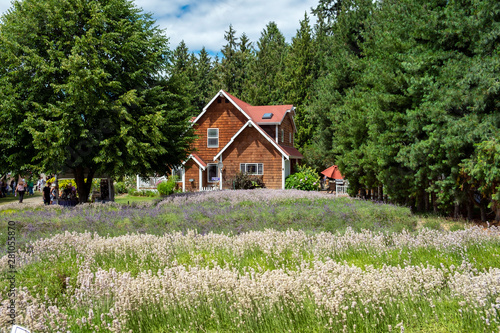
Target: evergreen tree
[263, 87]
[204, 80]
[229, 63]
[243, 57]
[298, 78]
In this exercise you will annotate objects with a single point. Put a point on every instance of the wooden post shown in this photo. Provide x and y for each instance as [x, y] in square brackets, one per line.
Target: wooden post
[56, 182]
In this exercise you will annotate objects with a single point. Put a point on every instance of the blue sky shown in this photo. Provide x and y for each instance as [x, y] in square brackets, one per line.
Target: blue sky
[203, 22]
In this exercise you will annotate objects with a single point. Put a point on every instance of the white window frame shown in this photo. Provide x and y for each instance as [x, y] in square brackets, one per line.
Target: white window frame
[210, 165]
[212, 137]
[243, 166]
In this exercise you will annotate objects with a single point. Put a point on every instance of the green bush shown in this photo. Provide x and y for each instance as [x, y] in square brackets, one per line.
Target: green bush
[120, 188]
[244, 181]
[142, 193]
[306, 179]
[167, 187]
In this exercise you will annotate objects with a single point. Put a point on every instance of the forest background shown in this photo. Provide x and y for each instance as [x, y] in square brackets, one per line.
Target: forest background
[402, 95]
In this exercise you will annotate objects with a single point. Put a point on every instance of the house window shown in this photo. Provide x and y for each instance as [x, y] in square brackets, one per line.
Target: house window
[213, 138]
[290, 137]
[212, 173]
[252, 168]
[282, 135]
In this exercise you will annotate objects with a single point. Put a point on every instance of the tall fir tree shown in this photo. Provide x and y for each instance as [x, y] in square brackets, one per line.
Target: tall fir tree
[298, 78]
[205, 80]
[229, 63]
[263, 87]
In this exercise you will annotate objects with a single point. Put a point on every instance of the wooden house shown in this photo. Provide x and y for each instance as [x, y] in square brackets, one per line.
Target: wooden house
[235, 136]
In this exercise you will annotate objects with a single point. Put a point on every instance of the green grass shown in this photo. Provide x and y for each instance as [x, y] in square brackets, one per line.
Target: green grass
[129, 199]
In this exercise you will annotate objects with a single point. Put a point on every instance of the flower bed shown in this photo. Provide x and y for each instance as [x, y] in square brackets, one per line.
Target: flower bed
[273, 279]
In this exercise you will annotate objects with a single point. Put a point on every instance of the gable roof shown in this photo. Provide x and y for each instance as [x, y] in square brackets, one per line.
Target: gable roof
[251, 112]
[254, 115]
[250, 123]
[198, 161]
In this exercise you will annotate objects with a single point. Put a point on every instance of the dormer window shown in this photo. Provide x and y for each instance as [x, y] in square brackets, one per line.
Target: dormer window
[213, 138]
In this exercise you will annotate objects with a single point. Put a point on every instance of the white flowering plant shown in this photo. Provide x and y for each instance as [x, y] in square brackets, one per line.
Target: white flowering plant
[305, 179]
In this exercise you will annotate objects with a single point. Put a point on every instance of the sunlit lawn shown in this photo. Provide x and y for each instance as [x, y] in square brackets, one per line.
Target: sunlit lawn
[126, 199]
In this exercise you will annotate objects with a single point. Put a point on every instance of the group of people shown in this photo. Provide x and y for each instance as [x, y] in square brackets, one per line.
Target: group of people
[22, 187]
[16, 188]
[49, 194]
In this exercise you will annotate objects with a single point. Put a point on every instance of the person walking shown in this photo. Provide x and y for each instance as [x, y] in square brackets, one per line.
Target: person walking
[13, 186]
[46, 194]
[53, 194]
[30, 185]
[42, 182]
[20, 189]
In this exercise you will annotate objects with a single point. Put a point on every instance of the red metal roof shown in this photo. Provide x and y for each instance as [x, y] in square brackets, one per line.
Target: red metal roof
[333, 172]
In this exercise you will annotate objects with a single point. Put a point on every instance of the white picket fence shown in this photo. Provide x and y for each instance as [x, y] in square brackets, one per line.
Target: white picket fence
[149, 183]
[341, 189]
[210, 188]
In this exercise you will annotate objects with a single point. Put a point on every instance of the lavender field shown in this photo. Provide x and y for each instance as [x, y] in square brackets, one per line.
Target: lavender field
[250, 261]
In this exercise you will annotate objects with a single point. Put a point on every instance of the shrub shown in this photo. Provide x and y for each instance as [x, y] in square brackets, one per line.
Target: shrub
[306, 179]
[167, 187]
[244, 181]
[120, 188]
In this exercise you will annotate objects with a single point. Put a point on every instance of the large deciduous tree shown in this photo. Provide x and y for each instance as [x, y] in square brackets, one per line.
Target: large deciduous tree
[81, 89]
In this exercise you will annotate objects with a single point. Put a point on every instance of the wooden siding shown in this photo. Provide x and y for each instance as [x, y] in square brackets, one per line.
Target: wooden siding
[223, 116]
[287, 125]
[271, 130]
[192, 172]
[252, 147]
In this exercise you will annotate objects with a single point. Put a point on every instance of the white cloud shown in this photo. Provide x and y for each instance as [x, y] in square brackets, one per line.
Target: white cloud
[203, 23]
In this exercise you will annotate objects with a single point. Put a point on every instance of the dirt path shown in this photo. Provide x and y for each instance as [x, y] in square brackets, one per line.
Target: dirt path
[27, 202]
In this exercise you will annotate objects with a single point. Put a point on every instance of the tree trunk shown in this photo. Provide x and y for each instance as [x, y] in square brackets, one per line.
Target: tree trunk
[456, 212]
[83, 187]
[482, 208]
[434, 202]
[381, 193]
[426, 201]
[470, 209]
[420, 200]
[495, 205]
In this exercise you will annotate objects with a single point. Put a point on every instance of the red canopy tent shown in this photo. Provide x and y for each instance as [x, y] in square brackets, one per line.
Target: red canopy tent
[332, 172]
